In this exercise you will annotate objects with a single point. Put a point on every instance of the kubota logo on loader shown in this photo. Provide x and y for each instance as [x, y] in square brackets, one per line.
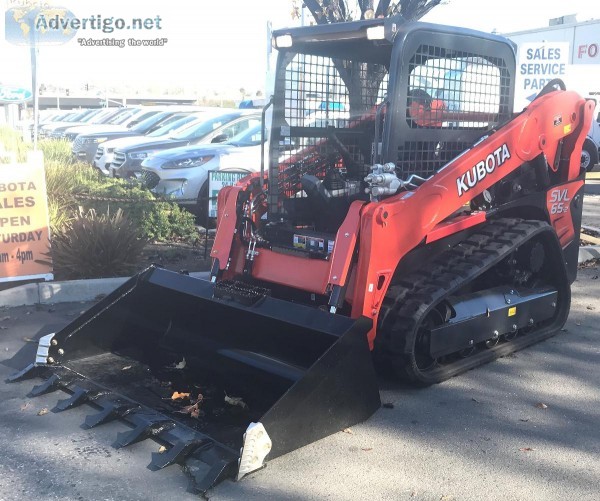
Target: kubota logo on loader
[481, 169]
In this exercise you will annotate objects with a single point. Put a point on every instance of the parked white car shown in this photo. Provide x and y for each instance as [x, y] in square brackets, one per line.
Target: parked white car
[182, 173]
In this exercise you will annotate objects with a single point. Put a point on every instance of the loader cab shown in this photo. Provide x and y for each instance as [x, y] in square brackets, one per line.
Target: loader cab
[412, 94]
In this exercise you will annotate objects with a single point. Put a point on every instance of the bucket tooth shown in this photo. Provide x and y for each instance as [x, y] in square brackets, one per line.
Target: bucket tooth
[143, 431]
[110, 412]
[217, 472]
[30, 372]
[51, 384]
[177, 453]
[80, 396]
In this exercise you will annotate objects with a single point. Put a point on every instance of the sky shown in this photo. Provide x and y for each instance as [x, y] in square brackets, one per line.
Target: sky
[217, 47]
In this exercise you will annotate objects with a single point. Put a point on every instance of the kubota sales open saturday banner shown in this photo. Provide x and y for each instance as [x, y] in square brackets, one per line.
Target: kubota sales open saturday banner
[24, 235]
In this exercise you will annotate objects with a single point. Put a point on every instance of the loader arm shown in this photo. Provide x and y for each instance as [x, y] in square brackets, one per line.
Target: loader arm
[409, 217]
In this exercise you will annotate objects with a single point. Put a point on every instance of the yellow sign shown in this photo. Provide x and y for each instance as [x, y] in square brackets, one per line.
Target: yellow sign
[24, 233]
[512, 311]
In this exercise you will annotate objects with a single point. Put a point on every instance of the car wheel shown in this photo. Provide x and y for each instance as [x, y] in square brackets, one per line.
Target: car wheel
[589, 157]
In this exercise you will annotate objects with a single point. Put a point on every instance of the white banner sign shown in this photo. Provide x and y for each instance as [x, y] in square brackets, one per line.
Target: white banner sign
[217, 180]
[538, 63]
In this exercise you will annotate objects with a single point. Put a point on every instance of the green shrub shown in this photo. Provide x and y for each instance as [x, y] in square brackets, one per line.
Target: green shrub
[12, 143]
[169, 222]
[59, 213]
[96, 246]
[75, 185]
[65, 181]
[56, 151]
[158, 220]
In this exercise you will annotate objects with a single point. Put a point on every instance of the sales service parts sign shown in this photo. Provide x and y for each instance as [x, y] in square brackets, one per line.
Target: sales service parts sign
[24, 234]
[539, 63]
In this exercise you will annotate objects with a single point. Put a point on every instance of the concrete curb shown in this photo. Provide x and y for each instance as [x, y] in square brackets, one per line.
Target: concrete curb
[65, 292]
[588, 253]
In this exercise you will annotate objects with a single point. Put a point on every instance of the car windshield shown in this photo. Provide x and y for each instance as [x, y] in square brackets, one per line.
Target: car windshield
[140, 116]
[203, 128]
[123, 117]
[147, 123]
[62, 117]
[111, 115]
[77, 116]
[101, 116]
[249, 137]
[171, 124]
[90, 116]
[181, 123]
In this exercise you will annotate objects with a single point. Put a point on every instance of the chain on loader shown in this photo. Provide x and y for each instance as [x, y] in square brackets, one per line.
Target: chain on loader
[404, 216]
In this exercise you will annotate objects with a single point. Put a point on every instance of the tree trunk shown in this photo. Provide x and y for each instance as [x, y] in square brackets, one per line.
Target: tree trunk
[362, 81]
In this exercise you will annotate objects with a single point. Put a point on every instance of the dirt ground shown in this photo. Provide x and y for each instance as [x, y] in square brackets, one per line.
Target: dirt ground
[178, 256]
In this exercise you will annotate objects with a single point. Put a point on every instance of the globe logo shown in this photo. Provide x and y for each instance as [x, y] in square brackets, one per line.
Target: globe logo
[23, 26]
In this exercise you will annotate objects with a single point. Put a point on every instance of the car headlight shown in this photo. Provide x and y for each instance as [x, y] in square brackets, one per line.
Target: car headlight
[187, 162]
[95, 140]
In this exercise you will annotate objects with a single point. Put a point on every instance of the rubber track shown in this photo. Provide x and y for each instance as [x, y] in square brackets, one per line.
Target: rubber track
[409, 300]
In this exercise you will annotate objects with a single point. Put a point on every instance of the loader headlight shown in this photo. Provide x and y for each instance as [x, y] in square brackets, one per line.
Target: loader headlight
[282, 41]
[187, 162]
[376, 32]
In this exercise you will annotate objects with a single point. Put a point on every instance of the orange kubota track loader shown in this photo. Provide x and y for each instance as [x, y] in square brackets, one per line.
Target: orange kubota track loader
[409, 218]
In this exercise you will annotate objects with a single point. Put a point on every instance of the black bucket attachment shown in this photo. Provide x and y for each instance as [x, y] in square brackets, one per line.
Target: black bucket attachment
[210, 370]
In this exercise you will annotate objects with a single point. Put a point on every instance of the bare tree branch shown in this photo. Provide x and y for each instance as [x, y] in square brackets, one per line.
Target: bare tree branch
[315, 8]
[382, 8]
[335, 11]
[358, 74]
[412, 10]
[366, 9]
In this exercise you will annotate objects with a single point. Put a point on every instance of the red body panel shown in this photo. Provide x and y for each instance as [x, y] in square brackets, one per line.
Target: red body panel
[558, 202]
[226, 223]
[307, 274]
[455, 225]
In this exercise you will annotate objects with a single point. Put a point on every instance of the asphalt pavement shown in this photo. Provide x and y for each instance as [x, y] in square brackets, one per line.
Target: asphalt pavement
[524, 427]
